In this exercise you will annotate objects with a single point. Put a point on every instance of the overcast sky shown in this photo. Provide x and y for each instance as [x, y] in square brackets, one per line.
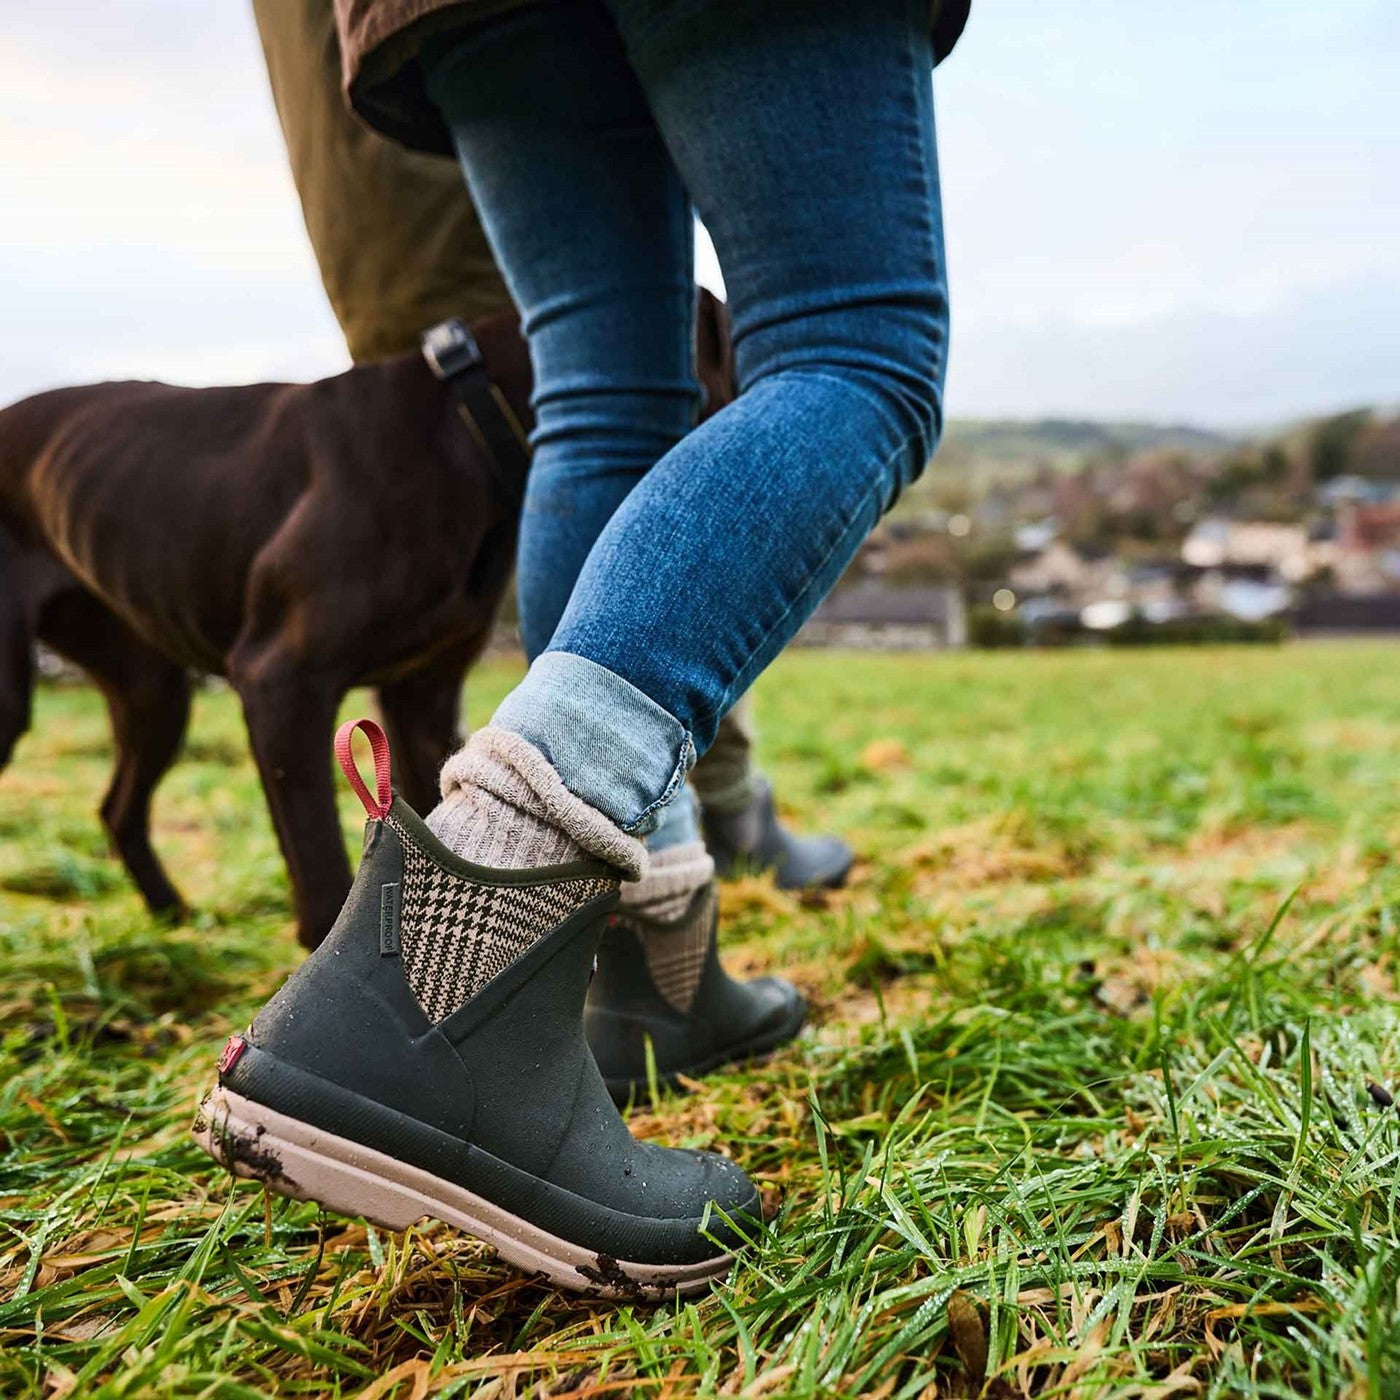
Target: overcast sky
[1186, 212]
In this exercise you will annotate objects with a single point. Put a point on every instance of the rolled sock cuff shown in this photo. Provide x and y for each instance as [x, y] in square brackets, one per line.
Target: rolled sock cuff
[677, 823]
[614, 748]
[672, 878]
[510, 768]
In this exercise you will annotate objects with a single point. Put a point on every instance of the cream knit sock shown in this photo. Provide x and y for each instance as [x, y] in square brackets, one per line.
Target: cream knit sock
[504, 806]
[664, 893]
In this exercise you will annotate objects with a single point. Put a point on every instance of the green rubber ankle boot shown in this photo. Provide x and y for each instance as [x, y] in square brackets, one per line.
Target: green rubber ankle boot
[661, 985]
[429, 1060]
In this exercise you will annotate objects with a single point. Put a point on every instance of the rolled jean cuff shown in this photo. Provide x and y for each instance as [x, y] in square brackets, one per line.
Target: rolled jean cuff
[612, 745]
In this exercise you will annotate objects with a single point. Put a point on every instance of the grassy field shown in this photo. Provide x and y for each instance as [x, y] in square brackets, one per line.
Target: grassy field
[1083, 1110]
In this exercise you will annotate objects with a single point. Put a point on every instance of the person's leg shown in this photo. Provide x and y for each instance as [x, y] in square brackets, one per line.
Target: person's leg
[805, 136]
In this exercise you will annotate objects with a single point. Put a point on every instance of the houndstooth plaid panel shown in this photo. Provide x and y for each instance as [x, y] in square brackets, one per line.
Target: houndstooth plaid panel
[675, 953]
[456, 935]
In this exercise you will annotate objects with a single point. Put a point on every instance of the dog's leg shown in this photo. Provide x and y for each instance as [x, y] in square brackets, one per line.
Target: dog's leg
[16, 653]
[290, 714]
[149, 723]
[421, 714]
[148, 699]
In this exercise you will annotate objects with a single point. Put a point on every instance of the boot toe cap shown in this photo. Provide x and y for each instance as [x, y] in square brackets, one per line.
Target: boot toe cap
[737, 1206]
[813, 862]
[775, 1004]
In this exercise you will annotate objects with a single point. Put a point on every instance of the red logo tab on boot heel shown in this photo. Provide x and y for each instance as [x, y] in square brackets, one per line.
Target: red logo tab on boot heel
[234, 1046]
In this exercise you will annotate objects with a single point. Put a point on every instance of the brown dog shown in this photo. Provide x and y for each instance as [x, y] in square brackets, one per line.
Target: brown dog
[299, 539]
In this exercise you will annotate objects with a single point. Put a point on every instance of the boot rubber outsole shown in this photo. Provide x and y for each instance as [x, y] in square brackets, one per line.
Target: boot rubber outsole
[304, 1162]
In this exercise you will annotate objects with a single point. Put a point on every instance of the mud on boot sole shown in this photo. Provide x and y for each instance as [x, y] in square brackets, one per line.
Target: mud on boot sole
[309, 1164]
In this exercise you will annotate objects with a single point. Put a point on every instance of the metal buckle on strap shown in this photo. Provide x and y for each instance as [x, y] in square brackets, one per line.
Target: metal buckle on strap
[456, 359]
[451, 349]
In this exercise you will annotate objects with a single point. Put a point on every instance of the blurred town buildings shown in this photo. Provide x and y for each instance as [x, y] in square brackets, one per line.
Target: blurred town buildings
[1061, 532]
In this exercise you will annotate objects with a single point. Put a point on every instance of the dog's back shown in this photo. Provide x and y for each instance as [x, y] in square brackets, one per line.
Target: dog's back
[25, 428]
[159, 499]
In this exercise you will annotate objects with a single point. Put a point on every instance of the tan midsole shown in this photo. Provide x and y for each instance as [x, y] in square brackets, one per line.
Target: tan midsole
[310, 1164]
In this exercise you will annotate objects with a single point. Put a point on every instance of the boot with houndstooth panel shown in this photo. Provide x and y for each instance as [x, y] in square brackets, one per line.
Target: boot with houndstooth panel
[429, 1060]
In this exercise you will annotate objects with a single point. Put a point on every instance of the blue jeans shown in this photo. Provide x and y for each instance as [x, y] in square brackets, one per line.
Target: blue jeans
[663, 566]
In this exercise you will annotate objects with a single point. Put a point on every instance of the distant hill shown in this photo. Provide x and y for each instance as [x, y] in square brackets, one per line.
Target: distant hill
[1066, 442]
[979, 454]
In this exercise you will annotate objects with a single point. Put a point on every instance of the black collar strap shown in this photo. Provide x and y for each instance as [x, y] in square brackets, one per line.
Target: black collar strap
[454, 356]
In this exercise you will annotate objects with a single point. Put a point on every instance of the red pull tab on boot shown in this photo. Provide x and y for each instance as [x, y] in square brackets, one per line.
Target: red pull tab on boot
[378, 806]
